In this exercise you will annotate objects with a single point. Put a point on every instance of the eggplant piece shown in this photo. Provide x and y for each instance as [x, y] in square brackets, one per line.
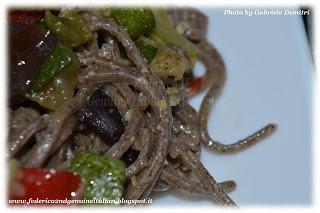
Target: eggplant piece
[29, 46]
[102, 116]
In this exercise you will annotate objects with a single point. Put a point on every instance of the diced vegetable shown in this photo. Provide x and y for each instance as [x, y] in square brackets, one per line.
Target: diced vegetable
[57, 79]
[29, 46]
[48, 183]
[59, 58]
[195, 86]
[101, 115]
[146, 50]
[70, 28]
[154, 37]
[25, 16]
[168, 62]
[136, 21]
[104, 176]
[165, 31]
[41, 23]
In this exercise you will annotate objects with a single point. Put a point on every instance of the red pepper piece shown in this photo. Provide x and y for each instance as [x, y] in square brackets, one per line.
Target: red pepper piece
[48, 184]
[25, 16]
[195, 86]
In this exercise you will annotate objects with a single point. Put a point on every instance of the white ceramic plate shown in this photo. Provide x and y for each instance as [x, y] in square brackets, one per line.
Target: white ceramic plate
[270, 74]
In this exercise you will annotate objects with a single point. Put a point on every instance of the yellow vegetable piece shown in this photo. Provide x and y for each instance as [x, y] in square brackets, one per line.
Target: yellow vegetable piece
[169, 63]
[165, 31]
[60, 88]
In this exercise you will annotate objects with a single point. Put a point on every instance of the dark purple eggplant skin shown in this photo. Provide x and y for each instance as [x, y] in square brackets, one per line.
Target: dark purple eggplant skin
[29, 46]
[102, 116]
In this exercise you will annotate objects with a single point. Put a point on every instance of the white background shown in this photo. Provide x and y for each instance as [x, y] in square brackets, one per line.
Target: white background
[270, 73]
